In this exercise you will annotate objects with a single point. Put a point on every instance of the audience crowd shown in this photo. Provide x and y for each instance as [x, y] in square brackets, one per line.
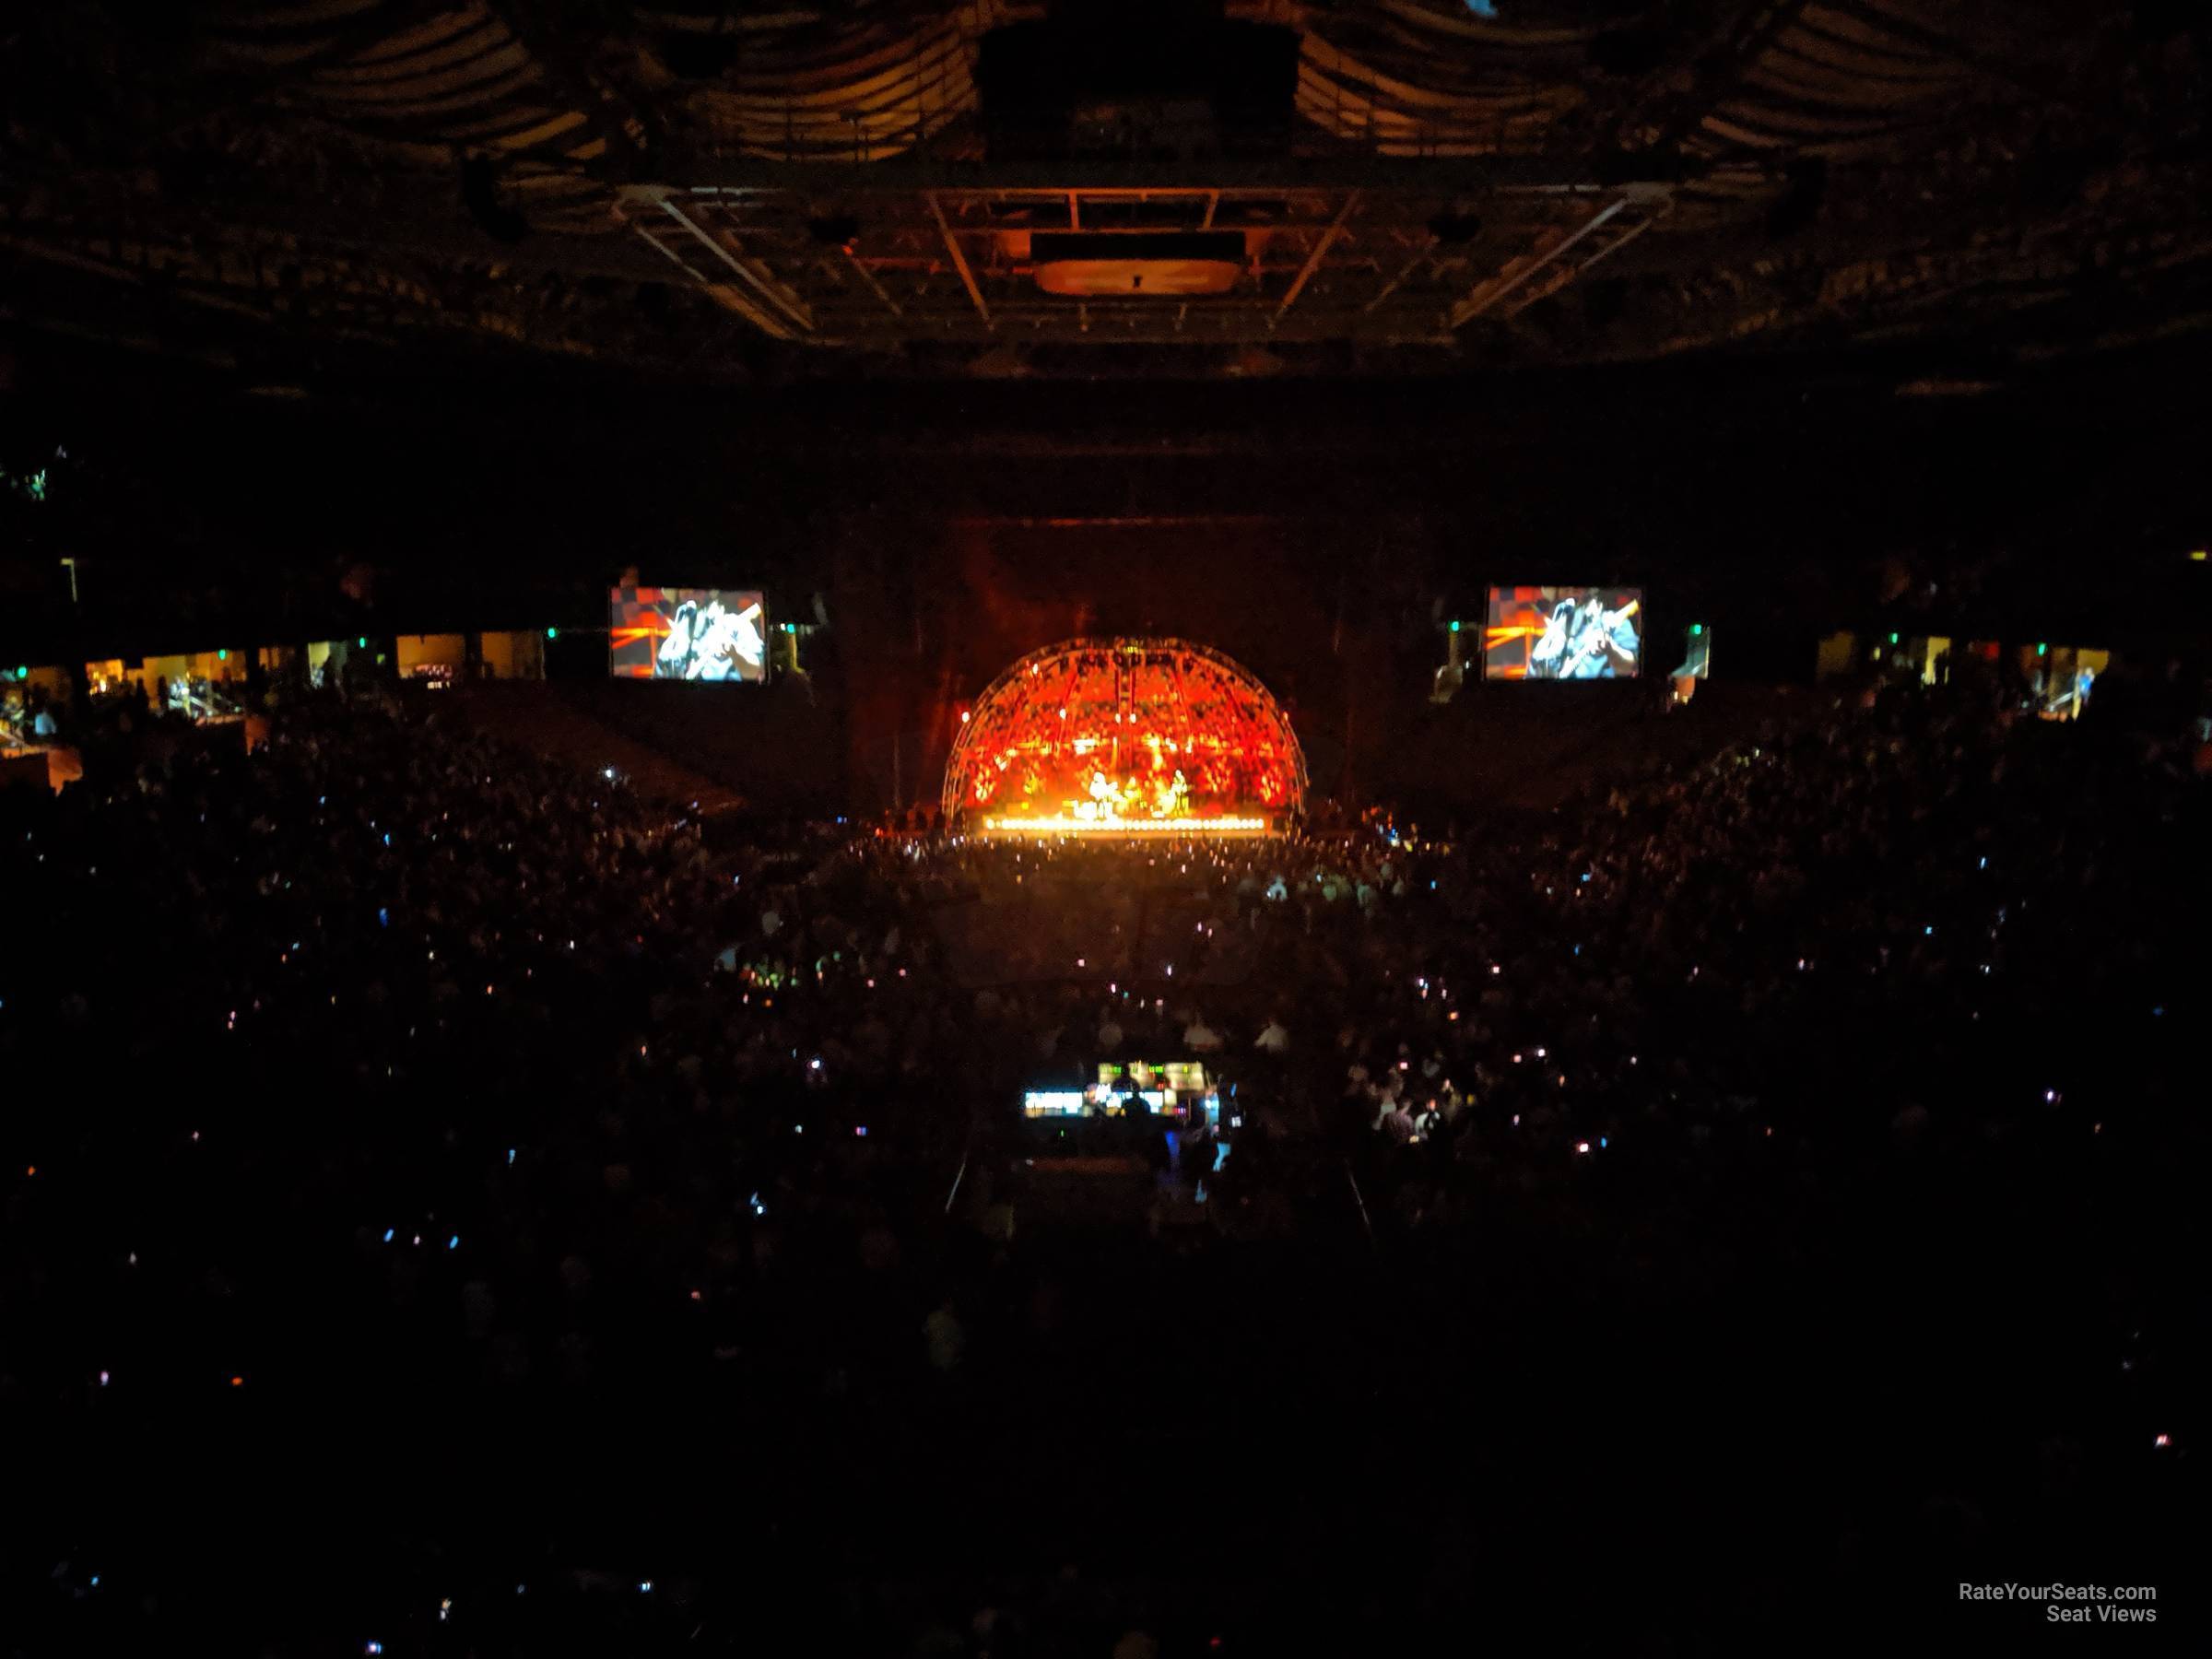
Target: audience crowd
[386, 1075]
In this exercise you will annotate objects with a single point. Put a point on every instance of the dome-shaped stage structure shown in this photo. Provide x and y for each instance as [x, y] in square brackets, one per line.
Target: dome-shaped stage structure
[1124, 736]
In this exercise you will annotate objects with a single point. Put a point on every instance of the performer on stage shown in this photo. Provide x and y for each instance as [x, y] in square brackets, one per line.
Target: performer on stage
[1585, 640]
[711, 642]
[1544, 657]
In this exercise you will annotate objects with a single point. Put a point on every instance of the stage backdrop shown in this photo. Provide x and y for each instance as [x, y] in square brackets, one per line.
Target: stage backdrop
[921, 629]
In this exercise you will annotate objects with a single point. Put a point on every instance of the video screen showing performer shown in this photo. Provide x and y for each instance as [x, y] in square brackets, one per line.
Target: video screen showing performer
[1563, 633]
[686, 634]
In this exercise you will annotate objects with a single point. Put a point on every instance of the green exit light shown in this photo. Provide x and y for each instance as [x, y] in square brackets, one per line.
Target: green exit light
[2042, 651]
[362, 641]
[1455, 625]
[552, 634]
[1696, 629]
[1892, 639]
[222, 657]
[22, 673]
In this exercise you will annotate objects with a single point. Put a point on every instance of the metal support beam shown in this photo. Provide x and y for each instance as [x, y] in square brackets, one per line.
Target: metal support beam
[722, 293]
[1480, 300]
[1305, 272]
[770, 291]
[1427, 251]
[959, 260]
[1622, 240]
[869, 276]
[919, 173]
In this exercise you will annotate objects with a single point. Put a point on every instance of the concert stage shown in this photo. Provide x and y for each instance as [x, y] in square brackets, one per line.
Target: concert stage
[1124, 738]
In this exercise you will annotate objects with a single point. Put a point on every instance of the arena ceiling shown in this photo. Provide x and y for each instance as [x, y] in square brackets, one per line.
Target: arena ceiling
[765, 189]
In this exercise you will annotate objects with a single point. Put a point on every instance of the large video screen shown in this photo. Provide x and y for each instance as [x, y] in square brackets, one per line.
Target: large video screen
[686, 634]
[1563, 633]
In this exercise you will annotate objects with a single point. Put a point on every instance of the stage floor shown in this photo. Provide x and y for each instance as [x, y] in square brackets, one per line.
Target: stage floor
[1125, 829]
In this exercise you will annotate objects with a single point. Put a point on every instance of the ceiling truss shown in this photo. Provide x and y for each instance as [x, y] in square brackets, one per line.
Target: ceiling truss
[1322, 259]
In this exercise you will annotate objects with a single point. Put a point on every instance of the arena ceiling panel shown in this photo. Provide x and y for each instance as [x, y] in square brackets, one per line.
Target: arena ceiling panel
[732, 190]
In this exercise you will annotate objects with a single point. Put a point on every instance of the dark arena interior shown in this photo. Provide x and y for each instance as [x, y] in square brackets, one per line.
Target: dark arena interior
[785, 869]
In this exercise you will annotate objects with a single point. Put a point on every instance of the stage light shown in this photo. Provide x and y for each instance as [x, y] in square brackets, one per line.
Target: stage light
[1061, 824]
[2198, 556]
